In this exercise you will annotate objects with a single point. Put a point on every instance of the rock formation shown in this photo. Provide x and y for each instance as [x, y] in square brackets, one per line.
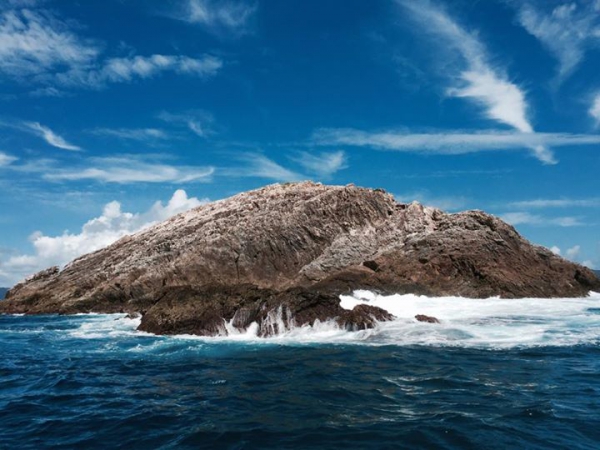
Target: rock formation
[281, 256]
[426, 319]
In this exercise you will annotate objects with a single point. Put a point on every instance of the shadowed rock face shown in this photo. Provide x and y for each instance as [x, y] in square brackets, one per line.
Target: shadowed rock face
[286, 252]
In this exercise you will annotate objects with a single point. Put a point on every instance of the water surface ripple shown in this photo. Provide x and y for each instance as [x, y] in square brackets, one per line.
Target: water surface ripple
[93, 382]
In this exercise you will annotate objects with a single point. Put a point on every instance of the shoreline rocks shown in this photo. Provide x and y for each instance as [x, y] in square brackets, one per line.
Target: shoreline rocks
[283, 254]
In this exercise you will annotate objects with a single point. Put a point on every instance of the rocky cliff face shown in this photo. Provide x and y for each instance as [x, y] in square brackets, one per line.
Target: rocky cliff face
[281, 255]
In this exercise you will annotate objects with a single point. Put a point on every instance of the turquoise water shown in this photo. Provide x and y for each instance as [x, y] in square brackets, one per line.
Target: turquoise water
[520, 375]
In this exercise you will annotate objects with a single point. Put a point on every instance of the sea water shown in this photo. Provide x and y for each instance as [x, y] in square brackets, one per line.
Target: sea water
[495, 374]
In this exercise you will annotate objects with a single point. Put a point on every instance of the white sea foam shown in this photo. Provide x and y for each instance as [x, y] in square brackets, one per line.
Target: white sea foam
[479, 323]
[491, 322]
[98, 326]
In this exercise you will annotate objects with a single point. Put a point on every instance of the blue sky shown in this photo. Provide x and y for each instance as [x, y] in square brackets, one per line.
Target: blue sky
[115, 115]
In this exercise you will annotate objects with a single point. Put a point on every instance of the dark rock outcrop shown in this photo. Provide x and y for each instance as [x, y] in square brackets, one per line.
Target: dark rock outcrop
[426, 319]
[286, 252]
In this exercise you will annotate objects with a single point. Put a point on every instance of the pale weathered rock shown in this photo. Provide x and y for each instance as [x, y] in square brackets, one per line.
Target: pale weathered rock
[297, 247]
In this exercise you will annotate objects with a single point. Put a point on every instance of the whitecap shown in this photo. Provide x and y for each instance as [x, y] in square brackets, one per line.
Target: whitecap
[495, 323]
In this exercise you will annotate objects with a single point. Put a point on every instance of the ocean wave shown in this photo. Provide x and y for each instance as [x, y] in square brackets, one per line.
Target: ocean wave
[493, 323]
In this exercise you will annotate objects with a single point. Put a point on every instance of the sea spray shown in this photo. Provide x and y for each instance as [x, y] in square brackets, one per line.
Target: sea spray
[493, 323]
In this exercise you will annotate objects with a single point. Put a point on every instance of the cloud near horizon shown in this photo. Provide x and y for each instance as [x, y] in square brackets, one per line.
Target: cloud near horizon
[525, 218]
[95, 234]
[557, 203]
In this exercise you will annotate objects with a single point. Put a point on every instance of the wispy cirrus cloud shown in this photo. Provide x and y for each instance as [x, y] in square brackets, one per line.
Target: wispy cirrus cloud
[217, 16]
[323, 164]
[133, 134]
[37, 44]
[124, 70]
[557, 203]
[199, 122]
[6, 159]
[127, 170]
[595, 109]
[526, 218]
[38, 47]
[480, 81]
[449, 143]
[567, 30]
[49, 136]
[259, 166]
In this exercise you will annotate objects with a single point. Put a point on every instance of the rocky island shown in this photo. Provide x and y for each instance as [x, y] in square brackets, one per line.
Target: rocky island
[281, 256]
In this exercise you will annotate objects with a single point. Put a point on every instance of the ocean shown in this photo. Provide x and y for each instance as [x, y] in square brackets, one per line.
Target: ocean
[495, 374]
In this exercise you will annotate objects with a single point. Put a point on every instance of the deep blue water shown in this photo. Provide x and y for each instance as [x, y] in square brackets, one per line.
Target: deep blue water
[91, 382]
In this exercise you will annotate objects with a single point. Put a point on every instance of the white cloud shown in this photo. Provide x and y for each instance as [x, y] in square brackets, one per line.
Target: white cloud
[262, 167]
[95, 234]
[454, 143]
[125, 170]
[6, 160]
[37, 44]
[121, 70]
[134, 134]
[557, 203]
[198, 122]
[218, 16]
[556, 250]
[484, 84]
[525, 218]
[445, 203]
[566, 31]
[573, 252]
[595, 109]
[50, 136]
[504, 101]
[324, 164]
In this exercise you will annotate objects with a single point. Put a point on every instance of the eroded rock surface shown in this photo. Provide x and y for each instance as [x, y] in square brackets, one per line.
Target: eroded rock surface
[285, 253]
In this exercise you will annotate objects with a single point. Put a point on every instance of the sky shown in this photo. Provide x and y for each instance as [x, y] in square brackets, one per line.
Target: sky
[115, 115]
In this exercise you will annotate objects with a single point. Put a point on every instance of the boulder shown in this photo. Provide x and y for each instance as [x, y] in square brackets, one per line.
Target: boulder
[427, 319]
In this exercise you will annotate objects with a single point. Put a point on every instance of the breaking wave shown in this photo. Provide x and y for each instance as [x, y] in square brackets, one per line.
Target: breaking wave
[493, 374]
[493, 323]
